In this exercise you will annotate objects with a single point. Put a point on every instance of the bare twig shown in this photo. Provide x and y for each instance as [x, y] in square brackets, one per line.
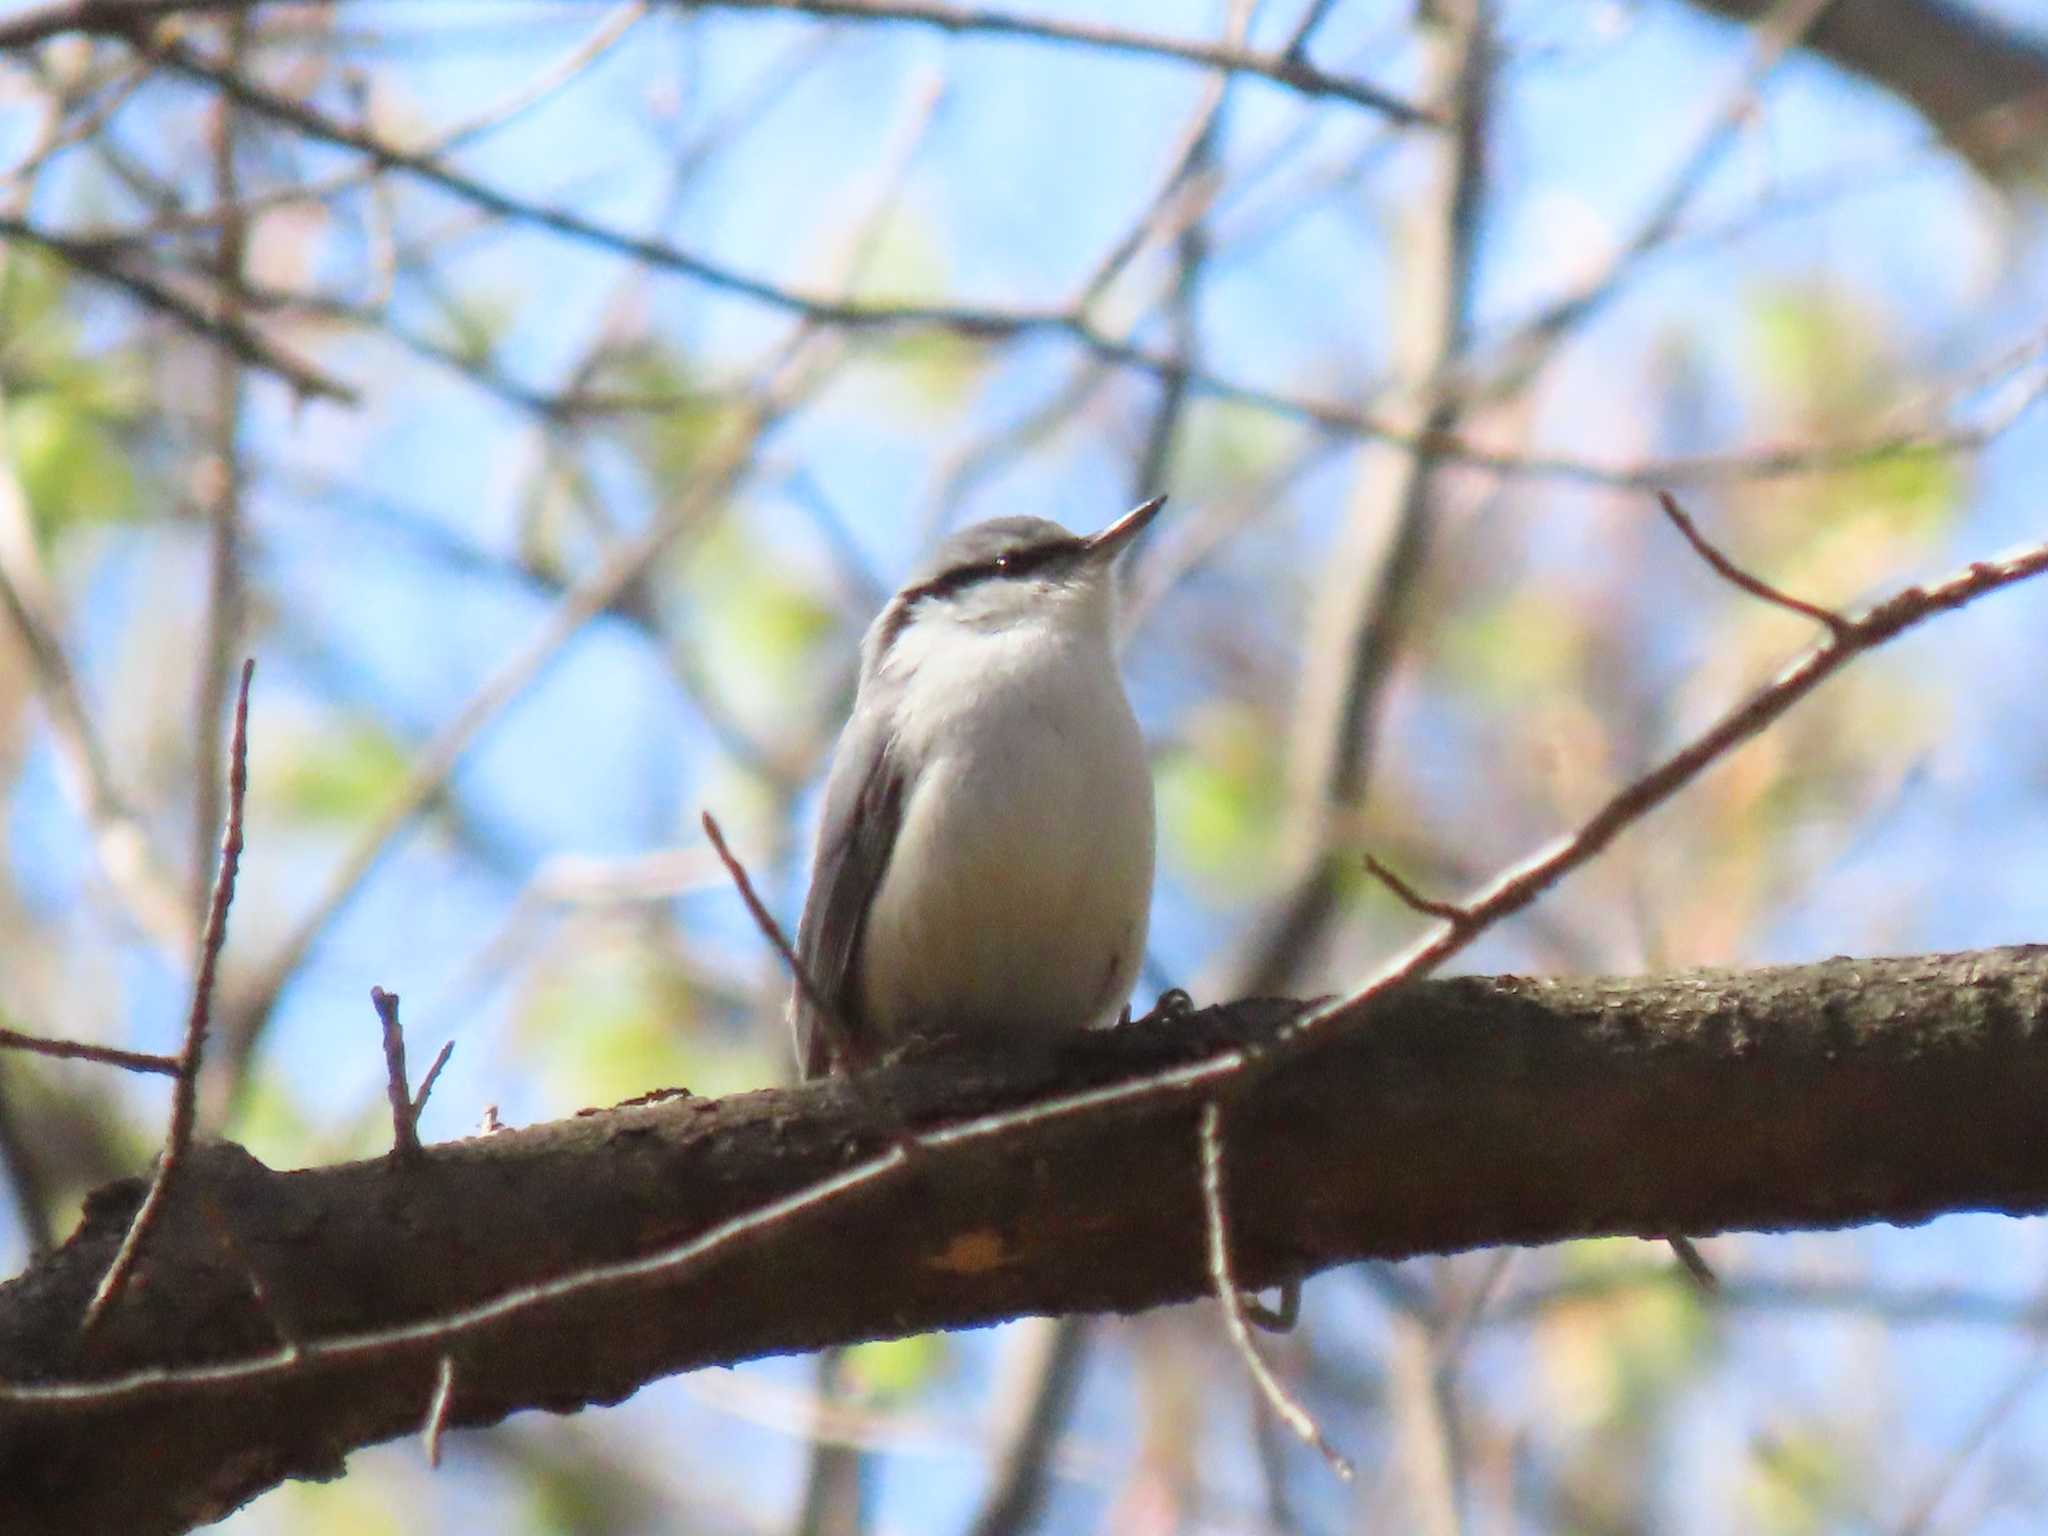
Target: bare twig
[79, 1050]
[1531, 344]
[1695, 1264]
[1730, 572]
[1291, 70]
[772, 932]
[1285, 1406]
[1281, 1319]
[224, 330]
[419, 1100]
[405, 1132]
[1408, 896]
[1003, 323]
[223, 491]
[1997, 1409]
[437, 1410]
[184, 1093]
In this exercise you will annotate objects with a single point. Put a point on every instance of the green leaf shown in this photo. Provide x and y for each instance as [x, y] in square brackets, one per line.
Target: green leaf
[1220, 799]
[73, 470]
[338, 776]
[896, 1368]
[756, 627]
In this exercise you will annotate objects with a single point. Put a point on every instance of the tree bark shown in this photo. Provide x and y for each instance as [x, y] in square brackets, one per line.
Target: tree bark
[1457, 1114]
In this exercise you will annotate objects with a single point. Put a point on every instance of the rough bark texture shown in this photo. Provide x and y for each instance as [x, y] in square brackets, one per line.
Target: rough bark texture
[1460, 1114]
[1979, 83]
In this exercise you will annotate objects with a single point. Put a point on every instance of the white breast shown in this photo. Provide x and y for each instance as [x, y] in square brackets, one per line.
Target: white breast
[1016, 897]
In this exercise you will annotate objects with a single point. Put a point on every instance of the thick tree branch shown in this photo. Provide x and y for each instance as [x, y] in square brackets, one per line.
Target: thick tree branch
[1978, 82]
[1451, 1115]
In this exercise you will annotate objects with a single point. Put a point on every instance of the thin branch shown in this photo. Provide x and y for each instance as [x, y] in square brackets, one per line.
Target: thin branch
[999, 323]
[126, 18]
[1284, 1318]
[1695, 1264]
[1285, 1406]
[772, 932]
[223, 330]
[185, 1090]
[419, 1100]
[1290, 70]
[1999, 1407]
[437, 1410]
[405, 1131]
[1730, 572]
[1414, 900]
[1525, 351]
[79, 1050]
[223, 494]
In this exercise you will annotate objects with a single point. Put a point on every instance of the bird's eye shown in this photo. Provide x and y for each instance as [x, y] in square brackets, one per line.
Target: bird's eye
[1003, 561]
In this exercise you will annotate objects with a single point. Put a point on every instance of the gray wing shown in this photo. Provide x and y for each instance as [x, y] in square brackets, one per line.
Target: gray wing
[863, 807]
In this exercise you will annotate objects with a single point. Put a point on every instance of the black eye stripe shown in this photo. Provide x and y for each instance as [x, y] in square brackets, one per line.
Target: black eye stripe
[1011, 562]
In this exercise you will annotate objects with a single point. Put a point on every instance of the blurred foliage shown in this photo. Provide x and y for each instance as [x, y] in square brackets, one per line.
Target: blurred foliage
[606, 1014]
[892, 1369]
[64, 406]
[1220, 798]
[1801, 1482]
[337, 776]
[1614, 1358]
[755, 621]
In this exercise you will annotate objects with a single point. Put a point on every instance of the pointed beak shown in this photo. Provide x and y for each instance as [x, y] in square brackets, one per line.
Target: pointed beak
[1111, 541]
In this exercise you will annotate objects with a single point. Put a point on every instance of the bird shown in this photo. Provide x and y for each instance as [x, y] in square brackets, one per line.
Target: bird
[984, 860]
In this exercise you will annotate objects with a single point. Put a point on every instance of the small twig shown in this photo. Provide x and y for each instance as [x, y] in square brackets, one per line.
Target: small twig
[419, 1100]
[1280, 1319]
[437, 1410]
[1408, 896]
[1755, 586]
[251, 346]
[772, 931]
[1283, 1403]
[405, 1133]
[1695, 1264]
[184, 1093]
[78, 1050]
